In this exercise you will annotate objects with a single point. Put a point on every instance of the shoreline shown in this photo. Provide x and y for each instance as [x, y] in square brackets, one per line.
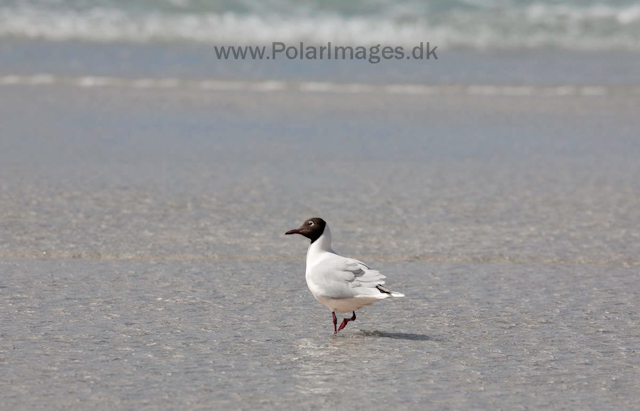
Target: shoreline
[319, 87]
[538, 68]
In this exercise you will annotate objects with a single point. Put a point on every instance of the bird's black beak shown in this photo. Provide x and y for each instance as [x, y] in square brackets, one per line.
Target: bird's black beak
[295, 231]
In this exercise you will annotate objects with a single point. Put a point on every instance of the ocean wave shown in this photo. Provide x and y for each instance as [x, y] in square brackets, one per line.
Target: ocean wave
[535, 26]
[319, 87]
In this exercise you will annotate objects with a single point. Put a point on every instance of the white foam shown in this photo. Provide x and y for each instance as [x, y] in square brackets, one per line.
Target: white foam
[410, 89]
[595, 27]
[317, 87]
[91, 81]
[266, 86]
[355, 88]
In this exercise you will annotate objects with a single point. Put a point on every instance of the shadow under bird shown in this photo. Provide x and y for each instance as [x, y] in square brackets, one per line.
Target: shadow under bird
[340, 283]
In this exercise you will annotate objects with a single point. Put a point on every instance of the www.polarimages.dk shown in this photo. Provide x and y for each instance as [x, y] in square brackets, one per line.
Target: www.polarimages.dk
[372, 54]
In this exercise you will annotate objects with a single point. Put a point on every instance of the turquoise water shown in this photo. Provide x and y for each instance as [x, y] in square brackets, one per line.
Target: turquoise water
[479, 24]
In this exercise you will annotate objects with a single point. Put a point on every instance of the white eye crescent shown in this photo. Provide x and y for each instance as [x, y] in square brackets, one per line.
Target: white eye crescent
[310, 223]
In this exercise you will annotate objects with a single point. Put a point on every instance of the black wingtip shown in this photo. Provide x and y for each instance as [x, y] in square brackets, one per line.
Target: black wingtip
[382, 289]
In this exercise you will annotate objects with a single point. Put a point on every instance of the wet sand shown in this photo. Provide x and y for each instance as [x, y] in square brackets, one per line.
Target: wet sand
[140, 334]
[144, 265]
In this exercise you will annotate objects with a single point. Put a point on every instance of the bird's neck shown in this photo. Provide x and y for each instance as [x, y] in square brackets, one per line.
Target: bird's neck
[320, 246]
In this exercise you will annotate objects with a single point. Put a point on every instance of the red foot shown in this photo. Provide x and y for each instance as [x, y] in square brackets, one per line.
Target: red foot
[345, 321]
[335, 323]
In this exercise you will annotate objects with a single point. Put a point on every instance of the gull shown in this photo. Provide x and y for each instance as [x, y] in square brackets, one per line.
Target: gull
[340, 283]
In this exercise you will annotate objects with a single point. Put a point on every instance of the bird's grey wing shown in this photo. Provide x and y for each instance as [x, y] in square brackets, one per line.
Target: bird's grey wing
[342, 277]
[363, 276]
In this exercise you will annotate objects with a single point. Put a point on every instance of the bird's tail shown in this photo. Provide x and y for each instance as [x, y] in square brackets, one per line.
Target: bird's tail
[387, 291]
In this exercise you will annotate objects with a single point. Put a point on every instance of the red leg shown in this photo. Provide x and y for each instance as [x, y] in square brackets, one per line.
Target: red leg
[335, 323]
[346, 320]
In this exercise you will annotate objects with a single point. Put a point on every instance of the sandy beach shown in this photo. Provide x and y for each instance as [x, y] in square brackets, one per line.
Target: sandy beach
[143, 261]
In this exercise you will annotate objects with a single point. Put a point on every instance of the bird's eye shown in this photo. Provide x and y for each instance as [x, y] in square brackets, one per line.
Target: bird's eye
[310, 223]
